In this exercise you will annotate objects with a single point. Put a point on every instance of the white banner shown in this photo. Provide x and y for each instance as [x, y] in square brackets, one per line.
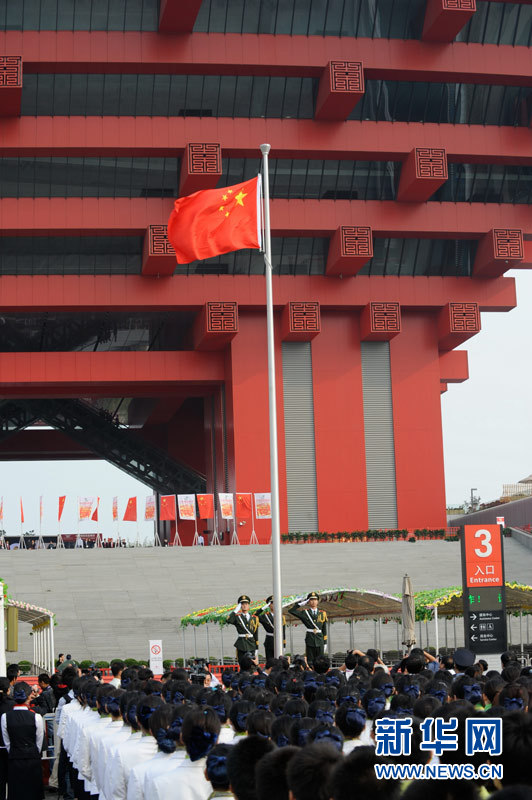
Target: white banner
[227, 506]
[156, 656]
[263, 505]
[187, 506]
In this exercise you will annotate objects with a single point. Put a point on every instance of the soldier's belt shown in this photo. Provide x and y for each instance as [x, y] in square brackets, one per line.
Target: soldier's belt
[313, 630]
[269, 634]
[245, 636]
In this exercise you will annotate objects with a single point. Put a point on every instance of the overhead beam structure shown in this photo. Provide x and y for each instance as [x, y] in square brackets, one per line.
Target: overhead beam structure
[290, 138]
[249, 54]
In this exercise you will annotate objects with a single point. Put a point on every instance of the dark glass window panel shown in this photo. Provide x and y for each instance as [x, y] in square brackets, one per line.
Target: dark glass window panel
[290, 256]
[80, 15]
[70, 255]
[430, 257]
[499, 23]
[89, 177]
[307, 256]
[316, 179]
[469, 104]
[167, 95]
[95, 331]
[262, 96]
[487, 183]
[401, 19]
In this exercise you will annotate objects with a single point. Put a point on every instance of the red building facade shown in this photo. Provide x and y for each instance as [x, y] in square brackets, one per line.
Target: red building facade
[401, 175]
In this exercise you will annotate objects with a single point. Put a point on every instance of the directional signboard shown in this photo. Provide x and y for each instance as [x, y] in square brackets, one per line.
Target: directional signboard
[483, 589]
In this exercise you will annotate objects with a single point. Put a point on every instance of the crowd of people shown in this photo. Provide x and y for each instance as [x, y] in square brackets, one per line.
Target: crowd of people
[285, 731]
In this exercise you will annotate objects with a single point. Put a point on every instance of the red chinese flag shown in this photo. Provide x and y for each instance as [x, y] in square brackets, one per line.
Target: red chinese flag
[243, 506]
[216, 221]
[130, 514]
[62, 500]
[205, 505]
[167, 508]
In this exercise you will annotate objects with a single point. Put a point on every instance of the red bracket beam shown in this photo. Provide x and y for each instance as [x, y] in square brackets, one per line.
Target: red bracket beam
[167, 136]
[72, 374]
[314, 218]
[499, 250]
[457, 322]
[341, 87]
[249, 54]
[454, 366]
[178, 16]
[380, 322]
[300, 322]
[422, 174]
[10, 85]
[78, 293]
[444, 19]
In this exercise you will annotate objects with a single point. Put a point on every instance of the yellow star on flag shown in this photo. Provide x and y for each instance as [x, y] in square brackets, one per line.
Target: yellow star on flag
[239, 198]
[224, 198]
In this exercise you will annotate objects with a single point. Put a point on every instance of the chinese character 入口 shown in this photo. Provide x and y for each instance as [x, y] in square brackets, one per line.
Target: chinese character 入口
[443, 737]
[484, 736]
[393, 737]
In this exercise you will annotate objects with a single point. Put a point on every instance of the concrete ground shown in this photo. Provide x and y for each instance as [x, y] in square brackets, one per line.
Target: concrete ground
[109, 603]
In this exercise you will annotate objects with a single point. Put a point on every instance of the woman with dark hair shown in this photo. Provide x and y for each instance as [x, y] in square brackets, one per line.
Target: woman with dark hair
[165, 725]
[23, 733]
[201, 728]
[6, 704]
[147, 747]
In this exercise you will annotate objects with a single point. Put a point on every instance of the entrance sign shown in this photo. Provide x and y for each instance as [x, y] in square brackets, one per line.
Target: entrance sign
[483, 589]
[156, 656]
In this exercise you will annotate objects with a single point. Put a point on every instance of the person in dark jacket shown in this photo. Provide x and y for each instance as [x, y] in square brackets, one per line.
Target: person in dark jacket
[44, 703]
[23, 733]
[6, 704]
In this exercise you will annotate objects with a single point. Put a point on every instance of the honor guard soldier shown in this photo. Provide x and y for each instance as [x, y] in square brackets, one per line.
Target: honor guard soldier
[315, 621]
[247, 626]
[266, 619]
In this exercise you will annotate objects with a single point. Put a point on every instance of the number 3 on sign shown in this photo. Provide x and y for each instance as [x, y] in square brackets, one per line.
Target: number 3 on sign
[486, 549]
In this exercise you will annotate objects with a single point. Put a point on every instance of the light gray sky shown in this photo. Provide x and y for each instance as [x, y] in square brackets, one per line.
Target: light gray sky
[487, 421]
[487, 434]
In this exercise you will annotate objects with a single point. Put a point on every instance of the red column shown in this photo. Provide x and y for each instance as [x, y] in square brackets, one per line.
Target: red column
[247, 417]
[339, 424]
[415, 368]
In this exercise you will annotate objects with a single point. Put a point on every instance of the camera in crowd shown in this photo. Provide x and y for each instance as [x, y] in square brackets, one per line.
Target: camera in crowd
[198, 671]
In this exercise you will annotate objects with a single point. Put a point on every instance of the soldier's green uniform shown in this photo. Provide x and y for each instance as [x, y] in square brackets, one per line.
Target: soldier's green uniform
[315, 623]
[266, 620]
[247, 626]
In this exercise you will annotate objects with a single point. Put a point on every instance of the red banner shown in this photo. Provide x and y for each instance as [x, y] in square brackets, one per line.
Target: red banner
[167, 507]
[60, 507]
[205, 505]
[21, 511]
[243, 505]
[130, 514]
[94, 515]
[115, 509]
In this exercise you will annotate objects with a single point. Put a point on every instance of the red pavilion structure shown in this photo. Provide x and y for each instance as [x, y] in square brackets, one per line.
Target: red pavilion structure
[401, 180]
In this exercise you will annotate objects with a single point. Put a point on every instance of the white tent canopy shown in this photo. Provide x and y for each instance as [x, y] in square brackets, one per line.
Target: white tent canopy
[42, 622]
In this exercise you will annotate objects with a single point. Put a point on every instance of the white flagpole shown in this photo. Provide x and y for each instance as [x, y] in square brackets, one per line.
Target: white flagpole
[274, 462]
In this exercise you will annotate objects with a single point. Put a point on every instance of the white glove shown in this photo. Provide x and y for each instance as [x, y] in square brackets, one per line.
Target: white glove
[265, 607]
[238, 608]
[303, 602]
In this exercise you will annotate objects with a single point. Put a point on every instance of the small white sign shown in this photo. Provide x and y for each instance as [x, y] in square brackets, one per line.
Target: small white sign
[156, 656]
[500, 521]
